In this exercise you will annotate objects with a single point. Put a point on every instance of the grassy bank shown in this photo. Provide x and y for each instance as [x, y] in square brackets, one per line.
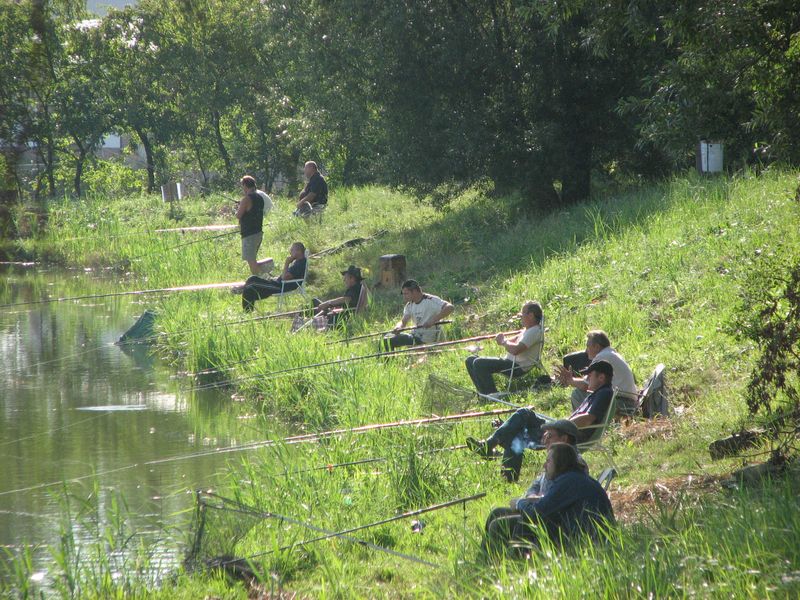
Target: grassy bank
[660, 269]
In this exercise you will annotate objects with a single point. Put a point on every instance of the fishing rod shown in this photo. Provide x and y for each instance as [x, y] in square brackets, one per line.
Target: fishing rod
[230, 366]
[196, 228]
[289, 441]
[175, 247]
[413, 349]
[369, 335]
[185, 288]
[405, 515]
[241, 508]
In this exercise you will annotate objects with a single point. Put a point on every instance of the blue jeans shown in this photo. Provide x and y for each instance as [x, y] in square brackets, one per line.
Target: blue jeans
[481, 368]
[513, 436]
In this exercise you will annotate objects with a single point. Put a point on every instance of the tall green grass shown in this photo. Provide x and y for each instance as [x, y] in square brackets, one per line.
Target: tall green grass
[659, 268]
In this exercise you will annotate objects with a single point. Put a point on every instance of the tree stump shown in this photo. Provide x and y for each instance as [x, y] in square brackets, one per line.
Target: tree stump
[393, 270]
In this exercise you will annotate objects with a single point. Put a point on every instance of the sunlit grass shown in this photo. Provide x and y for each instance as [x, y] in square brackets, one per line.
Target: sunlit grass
[659, 268]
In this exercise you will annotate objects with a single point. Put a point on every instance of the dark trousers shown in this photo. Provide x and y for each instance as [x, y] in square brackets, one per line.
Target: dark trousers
[481, 368]
[258, 288]
[504, 526]
[390, 342]
[522, 426]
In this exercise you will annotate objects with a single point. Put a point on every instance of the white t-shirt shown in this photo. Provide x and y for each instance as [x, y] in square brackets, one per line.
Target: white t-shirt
[267, 201]
[623, 376]
[422, 312]
[532, 337]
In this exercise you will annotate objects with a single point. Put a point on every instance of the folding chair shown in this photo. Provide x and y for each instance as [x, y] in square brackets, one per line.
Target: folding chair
[598, 431]
[538, 366]
[606, 477]
[301, 288]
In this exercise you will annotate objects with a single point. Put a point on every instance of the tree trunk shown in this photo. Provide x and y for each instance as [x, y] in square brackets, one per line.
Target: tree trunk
[151, 163]
[81, 158]
[200, 164]
[223, 152]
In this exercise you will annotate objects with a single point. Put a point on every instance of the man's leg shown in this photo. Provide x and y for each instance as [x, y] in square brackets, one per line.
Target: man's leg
[499, 531]
[399, 339]
[256, 288]
[524, 418]
[481, 368]
[512, 463]
[250, 246]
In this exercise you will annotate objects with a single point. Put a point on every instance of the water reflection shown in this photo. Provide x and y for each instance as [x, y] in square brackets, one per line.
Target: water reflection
[73, 406]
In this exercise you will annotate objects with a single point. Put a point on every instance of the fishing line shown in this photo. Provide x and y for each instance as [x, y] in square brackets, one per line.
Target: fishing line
[412, 349]
[60, 358]
[345, 533]
[246, 510]
[369, 335]
[51, 431]
[292, 440]
[182, 245]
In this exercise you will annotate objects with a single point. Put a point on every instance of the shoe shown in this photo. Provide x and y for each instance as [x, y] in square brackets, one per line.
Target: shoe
[237, 289]
[315, 302]
[480, 447]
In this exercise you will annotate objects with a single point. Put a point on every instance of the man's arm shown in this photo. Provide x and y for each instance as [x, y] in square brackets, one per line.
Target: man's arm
[512, 347]
[245, 204]
[286, 274]
[565, 378]
[340, 301]
[584, 420]
[447, 309]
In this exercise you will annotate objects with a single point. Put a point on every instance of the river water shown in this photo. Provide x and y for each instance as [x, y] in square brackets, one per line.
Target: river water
[74, 406]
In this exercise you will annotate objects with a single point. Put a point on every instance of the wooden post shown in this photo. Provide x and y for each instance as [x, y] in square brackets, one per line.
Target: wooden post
[393, 270]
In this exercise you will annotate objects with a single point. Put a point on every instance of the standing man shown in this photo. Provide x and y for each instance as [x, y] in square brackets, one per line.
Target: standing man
[522, 352]
[598, 347]
[424, 310]
[294, 268]
[315, 193]
[252, 208]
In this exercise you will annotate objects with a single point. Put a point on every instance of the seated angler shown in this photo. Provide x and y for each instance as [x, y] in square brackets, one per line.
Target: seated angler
[315, 194]
[337, 308]
[598, 347]
[555, 432]
[574, 504]
[424, 311]
[523, 429]
[258, 288]
[522, 352]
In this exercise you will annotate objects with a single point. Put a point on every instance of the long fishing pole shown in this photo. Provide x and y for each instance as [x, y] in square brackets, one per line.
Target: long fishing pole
[231, 366]
[242, 508]
[175, 247]
[369, 335]
[185, 288]
[405, 515]
[292, 440]
[413, 349]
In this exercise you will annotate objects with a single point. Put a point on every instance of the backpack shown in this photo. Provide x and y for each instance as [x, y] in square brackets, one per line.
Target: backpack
[654, 394]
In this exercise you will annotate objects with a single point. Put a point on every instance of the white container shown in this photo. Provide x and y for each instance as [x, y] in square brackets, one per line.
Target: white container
[709, 157]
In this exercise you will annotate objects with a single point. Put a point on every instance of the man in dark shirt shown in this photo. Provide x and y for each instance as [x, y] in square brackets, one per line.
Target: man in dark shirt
[352, 281]
[575, 504]
[523, 428]
[251, 217]
[315, 193]
[294, 267]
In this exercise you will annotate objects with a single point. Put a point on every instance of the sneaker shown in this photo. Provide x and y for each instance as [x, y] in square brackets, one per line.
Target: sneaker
[480, 447]
[237, 289]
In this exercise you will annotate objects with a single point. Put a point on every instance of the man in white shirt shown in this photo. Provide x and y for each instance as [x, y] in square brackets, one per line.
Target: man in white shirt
[424, 311]
[522, 352]
[598, 347]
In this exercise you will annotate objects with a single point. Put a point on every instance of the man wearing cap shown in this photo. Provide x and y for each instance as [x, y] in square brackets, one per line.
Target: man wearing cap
[501, 520]
[524, 428]
[352, 281]
[522, 352]
[424, 311]
[598, 347]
